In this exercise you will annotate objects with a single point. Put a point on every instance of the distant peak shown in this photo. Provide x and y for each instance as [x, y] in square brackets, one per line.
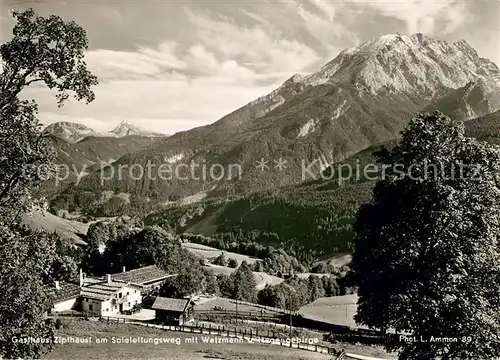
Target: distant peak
[126, 128]
[126, 122]
[69, 131]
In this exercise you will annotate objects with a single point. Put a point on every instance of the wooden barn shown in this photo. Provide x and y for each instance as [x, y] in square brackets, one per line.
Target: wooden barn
[171, 311]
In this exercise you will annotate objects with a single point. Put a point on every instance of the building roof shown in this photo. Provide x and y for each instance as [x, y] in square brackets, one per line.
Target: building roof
[66, 291]
[170, 304]
[142, 276]
[103, 290]
[93, 280]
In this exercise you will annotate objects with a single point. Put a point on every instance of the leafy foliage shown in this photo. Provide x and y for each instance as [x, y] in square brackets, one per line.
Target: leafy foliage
[232, 263]
[296, 292]
[31, 260]
[42, 50]
[275, 261]
[47, 51]
[220, 260]
[149, 246]
[243, 283]
[427, 253]
[100, 236]
[23, 299]
[187, 282]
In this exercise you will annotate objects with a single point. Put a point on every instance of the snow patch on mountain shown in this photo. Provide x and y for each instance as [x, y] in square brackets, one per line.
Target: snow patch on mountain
[307, 128]
[340, 110]
[174, 158]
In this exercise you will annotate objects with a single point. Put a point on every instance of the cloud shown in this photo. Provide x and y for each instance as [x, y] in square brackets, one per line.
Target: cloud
[326, 22]
[322, 25]
[167, 105]
[425, 16]
[175, 86]
[172, 70]
[264, 47]
[162, 89]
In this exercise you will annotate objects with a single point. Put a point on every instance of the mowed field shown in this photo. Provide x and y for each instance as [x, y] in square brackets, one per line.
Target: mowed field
[336, 260]
[208, 252]
[338, 310]
[261, 278]
[230, 305]
[179, 346]
[67, 229]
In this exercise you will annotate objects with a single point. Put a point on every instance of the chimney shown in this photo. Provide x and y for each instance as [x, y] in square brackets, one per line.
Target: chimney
[81, 277]
[58, 287]
[124, 269]
[109, 278]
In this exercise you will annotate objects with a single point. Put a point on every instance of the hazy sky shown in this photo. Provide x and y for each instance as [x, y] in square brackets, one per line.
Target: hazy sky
[172, 65]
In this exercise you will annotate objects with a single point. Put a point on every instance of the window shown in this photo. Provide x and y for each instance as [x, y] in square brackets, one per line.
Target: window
[106, 310]
[127, 292]
[90, 307]
[120, 295]
[128, 304]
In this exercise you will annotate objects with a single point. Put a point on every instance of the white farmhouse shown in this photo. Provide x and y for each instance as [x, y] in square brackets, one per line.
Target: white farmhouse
[110, 297]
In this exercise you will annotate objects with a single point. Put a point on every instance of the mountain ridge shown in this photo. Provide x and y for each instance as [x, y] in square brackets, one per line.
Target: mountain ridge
[75, 132]
[316, 215]
[331, 114]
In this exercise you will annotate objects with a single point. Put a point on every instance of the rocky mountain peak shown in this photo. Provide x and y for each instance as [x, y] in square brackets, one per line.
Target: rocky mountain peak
[74, 132]
[408, 64]
[69, 131]
[126, 128]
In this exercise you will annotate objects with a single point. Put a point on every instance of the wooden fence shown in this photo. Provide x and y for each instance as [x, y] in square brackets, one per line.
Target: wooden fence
[69, 313]
[337, 332]
[264, 307]
[250, 335]
[253, 314]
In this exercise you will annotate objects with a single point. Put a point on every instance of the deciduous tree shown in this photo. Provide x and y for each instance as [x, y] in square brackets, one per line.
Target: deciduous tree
[427, 252]
[23, 300]
[47, 51]
[42, 50]
[243, 283]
